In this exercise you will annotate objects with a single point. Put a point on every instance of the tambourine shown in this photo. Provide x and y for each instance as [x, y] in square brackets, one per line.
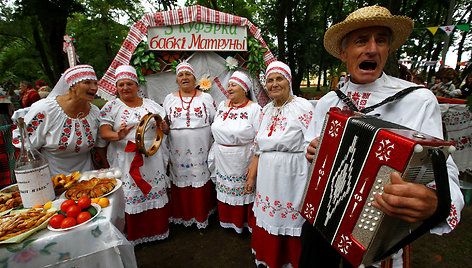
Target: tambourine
[140, 134]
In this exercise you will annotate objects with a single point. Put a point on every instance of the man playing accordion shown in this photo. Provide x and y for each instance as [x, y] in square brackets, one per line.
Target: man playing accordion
[363, 41]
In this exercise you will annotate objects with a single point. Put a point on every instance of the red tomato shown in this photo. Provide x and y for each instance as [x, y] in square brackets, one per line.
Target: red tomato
[73, 211]
[68, 222]
[56, 221]
[84, 202]
[83, 217]
[66, 204]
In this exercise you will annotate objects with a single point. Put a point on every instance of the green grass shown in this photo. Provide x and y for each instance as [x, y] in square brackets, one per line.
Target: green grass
[99, 102]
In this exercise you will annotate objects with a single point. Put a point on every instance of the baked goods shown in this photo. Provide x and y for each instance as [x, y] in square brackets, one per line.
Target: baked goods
[13, 225]
[62, 182]
[92, 188]
[10, 200]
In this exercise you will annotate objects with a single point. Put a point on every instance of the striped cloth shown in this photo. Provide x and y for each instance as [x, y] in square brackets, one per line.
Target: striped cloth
[7, 156]
[195, 13]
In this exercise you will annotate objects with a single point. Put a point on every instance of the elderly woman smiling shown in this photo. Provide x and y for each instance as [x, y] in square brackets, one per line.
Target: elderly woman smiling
[64, 126]
[146, 202]
[281, 169]
[234, 130]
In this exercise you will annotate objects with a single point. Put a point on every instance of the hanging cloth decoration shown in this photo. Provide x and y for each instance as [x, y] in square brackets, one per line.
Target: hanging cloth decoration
[433, 30]
[447, 29]
[463, 27]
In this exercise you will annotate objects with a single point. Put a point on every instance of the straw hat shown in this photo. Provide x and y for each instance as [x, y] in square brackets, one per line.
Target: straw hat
[365, 17]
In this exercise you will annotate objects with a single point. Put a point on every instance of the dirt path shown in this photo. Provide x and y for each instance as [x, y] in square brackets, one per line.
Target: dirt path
[218, 247]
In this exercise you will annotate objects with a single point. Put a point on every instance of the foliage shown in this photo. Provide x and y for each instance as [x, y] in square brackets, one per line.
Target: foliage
[255, 60]
[144, 60]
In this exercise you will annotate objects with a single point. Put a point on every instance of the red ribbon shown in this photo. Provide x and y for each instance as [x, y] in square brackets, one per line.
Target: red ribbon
[134, 168]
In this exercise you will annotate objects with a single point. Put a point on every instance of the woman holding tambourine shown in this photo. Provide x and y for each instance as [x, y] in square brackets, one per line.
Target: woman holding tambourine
[127, 123]
[190, 113]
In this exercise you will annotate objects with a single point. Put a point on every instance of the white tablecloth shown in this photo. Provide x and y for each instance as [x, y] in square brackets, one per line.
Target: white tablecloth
[457, 120]
[99, 243]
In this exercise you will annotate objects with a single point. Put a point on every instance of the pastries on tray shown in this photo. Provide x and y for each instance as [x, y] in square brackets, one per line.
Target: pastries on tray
[13, 225]
[62, 182]
[92, 188]
[9, 201]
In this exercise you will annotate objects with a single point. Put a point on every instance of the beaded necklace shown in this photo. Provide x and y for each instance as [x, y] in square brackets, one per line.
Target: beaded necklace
[189, 102]
[235, 107]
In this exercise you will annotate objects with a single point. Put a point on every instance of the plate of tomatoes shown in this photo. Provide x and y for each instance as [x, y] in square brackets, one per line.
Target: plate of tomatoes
[73, 214]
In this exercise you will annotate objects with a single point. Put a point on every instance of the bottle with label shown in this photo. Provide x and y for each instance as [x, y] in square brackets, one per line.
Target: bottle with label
[32, 173]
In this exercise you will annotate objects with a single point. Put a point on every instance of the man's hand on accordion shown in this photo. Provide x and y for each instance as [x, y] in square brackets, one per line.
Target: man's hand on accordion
[408, 201]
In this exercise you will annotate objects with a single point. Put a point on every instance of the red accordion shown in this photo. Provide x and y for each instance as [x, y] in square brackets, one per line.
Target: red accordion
[356, 155]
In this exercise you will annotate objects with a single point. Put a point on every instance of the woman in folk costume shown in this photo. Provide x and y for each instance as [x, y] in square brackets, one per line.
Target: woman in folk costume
[234, 129]
[64, 126]
[144, 178]
[281, 169]
[190, 113]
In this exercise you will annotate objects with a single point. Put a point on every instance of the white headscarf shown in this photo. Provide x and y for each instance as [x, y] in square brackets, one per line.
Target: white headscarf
[281, 68]
[126, 72]
[70, 77]
[241, 79]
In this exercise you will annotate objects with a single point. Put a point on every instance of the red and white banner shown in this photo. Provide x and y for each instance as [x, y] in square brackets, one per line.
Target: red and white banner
[139, 30]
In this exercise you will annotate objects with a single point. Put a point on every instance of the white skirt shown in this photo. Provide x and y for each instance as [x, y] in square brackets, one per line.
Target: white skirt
[188, 150]
[231, 163]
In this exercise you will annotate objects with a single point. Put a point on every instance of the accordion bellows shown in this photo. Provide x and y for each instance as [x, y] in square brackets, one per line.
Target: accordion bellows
[353, 162]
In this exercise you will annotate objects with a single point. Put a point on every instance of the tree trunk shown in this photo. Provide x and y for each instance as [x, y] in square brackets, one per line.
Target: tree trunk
[461, 44]
[282, 14]
[107, 42]
[42, 52]
[447, 38]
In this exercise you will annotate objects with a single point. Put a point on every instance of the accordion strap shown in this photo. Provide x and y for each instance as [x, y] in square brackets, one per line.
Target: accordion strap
[444, 203]
[369, 109]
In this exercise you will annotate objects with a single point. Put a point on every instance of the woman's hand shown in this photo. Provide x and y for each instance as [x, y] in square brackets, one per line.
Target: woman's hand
[249, 185]
[123, 130]
[311, 150]
[251, 174]
[164, 127]
[107, 133]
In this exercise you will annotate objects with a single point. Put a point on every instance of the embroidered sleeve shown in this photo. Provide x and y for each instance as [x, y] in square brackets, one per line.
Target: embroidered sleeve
[35, 123]
[106, 117]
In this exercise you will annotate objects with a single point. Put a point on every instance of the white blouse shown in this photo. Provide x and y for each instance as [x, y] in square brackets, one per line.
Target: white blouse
[64, 141]
[188, 112]
[239, 127]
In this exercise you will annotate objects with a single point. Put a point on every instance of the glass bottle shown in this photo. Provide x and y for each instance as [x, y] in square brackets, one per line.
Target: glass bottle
[32, 173]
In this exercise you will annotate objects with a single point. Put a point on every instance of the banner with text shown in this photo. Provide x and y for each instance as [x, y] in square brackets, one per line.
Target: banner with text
[198, 36]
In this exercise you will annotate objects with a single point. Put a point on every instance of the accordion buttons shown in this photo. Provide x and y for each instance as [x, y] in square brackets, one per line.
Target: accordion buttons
[371, 229]
[376, 218]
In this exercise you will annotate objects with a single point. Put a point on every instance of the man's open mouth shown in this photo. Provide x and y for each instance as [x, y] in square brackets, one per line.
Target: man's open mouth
[368, 65]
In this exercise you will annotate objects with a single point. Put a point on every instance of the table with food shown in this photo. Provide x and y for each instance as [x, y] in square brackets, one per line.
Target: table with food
[82, 226]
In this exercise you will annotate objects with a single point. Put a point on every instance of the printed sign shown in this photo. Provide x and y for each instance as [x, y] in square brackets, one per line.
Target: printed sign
[198, 36]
